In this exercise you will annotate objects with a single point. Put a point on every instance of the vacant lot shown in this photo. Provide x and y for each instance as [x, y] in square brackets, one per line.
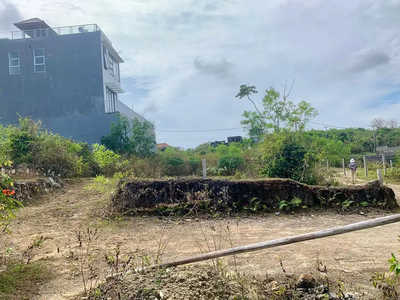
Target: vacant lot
[56, 217]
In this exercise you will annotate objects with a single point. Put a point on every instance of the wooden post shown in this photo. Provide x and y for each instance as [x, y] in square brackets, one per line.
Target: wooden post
[380, 178]
[327, 163]
[384, 164]
[365, 166]
[204, 169]
[391, 164]
[275, 243]
[344, 167]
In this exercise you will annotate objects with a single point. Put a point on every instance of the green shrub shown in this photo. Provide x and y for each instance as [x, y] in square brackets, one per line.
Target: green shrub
[393, 174]
[130, 137]
[8, 204]
[230, 163]
[107, 160]
[5, 145]
[57, 154]
[22, 139]
[31, 143]
[290, 162]
[23, 281]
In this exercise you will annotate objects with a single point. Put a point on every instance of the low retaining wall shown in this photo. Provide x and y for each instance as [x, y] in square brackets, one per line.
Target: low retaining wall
[237, 195]
[27, 189]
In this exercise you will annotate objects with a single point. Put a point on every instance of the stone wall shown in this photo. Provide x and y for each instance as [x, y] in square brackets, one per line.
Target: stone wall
[238, 195]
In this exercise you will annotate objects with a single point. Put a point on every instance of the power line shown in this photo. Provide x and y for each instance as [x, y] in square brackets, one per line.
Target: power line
[205, 139]
[334, 126]
[235, 128]
[327, 125]
[200, 130]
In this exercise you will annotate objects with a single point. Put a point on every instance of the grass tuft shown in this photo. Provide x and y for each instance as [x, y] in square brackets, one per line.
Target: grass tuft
[22, 281]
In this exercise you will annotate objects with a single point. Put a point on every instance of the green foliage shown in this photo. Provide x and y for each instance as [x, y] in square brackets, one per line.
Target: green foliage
[22, 139]
[177, 162]
[394, 265]
[143, 141]
[230, 163]
[31, 143]
[393, 173]
[327, 148]
[5, 145]
[61, 156]
[174, 161]
[396, 160]
[256, 206]
[108, 161]
[8, 204]
[389, 283]
[130, 137]
[118, 138]
[290, 206]
[22, 281]
[285, 157]
[277, 112]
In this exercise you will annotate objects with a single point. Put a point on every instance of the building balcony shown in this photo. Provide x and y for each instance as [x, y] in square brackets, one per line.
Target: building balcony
[116, 106]
[36, 28]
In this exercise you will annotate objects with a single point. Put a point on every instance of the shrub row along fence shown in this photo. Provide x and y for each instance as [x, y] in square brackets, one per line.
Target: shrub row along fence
[256, 195]
[385, 161]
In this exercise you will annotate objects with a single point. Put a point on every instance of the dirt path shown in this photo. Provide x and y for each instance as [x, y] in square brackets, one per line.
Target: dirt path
[347, 181]
[353, 257]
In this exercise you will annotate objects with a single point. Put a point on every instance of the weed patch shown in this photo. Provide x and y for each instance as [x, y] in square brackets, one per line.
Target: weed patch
[22, 281]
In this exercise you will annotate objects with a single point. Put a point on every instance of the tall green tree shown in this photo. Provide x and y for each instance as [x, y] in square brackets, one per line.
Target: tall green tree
[276, 111]
[130, 137]
[142, 141]
[118, 138]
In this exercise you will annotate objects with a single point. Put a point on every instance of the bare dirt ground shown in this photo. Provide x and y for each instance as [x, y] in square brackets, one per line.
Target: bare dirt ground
[352, 257]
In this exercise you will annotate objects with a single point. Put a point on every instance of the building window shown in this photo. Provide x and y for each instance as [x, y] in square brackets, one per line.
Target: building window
[39, 60]
[105, 57]
[111, 60]
[13, 63]
[113, 66]
[111, 101]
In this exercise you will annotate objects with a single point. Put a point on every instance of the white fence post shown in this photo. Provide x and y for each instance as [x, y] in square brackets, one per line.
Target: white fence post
[379, 173]
[204, 169]
[365, 166]
[344, 167]
[384, 164]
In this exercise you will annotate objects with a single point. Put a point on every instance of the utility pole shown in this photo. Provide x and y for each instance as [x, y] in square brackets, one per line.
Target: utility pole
[326, 132]
[373, 129]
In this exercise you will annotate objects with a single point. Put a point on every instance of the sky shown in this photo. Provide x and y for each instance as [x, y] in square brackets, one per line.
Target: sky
[186, 59]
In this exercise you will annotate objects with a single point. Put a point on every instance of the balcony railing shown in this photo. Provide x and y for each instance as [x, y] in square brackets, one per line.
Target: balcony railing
[114, 105]
[76, 29]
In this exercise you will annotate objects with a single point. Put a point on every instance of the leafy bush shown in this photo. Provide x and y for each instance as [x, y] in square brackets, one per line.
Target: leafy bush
[230, 163]
[22, 139]
[389, 283]
[148, 167]
[393, 174]
[54, 153]
[5, 146]
[291, 162]
[130, 137]
[31, 143]
[107, 160]
[7, 203]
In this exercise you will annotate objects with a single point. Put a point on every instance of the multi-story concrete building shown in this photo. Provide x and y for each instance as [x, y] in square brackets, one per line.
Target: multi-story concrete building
[68, 77]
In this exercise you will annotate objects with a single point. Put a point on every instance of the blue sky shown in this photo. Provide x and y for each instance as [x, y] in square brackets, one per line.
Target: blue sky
[185, 59]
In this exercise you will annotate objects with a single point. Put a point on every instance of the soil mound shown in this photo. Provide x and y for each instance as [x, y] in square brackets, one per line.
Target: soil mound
[231, 195]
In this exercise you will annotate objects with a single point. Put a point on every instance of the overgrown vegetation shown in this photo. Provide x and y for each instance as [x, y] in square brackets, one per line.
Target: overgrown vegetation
[22, 281]
[389, 282]
[8, 204]
[129, 151]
